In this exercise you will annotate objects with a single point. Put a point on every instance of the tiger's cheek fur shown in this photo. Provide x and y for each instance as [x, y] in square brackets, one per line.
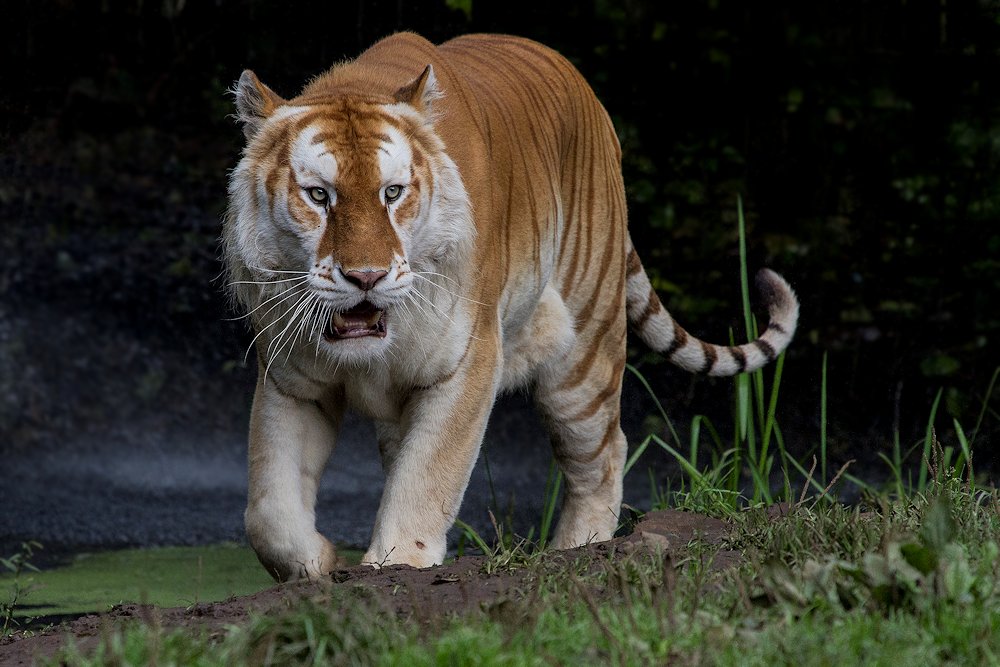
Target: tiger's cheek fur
[301, 213]
[406, 214]
[275, 225]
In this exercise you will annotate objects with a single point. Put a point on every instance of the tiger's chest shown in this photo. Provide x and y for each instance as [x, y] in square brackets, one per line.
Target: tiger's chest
[374, 398]
[373, 391]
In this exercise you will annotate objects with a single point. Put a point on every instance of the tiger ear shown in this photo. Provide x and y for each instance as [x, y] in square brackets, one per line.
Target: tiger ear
[421, 92]
[255, 103]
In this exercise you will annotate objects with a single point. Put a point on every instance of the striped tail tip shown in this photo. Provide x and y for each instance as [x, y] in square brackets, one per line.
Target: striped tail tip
[662, 333]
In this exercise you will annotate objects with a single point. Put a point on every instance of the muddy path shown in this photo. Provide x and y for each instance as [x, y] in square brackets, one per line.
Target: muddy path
[460, 586]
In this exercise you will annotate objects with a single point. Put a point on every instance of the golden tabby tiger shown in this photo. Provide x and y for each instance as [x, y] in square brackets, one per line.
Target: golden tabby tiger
[420, 229]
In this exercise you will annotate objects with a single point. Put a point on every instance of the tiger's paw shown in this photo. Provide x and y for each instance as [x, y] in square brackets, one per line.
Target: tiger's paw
[412, 552]
[286, 563]
[581, 525]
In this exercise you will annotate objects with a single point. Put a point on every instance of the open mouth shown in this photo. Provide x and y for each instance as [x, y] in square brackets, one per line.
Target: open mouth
[362, 320]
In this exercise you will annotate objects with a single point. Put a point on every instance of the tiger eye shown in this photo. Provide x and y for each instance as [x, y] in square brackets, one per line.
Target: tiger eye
[392, 193]
[318, 195]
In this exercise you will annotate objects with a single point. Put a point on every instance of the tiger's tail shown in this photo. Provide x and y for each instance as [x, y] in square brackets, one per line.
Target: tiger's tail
[658, 329]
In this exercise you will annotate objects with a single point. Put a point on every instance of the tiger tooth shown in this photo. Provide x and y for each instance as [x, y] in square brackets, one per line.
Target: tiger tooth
[338, 321]
[374, 318]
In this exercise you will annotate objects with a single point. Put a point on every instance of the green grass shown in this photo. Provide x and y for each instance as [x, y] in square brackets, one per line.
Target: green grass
[900, 581]
[169, 576]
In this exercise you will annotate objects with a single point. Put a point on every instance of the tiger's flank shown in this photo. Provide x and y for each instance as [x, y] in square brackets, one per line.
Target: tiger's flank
[418, 230]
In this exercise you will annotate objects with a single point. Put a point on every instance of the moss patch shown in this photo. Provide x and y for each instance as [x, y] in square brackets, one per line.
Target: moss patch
[167, 577]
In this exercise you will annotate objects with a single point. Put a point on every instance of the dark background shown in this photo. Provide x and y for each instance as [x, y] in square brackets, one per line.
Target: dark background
[862, 137]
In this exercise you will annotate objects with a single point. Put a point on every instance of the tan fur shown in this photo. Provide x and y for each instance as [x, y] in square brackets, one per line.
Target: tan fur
[507, 263]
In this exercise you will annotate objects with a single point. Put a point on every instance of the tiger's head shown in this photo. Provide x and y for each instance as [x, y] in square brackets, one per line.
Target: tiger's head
[342, 210]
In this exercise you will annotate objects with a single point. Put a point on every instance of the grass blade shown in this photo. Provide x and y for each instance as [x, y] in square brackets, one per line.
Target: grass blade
[928, 440]
[822, 421]
[656, 401]
[986, 403]
[552, 486]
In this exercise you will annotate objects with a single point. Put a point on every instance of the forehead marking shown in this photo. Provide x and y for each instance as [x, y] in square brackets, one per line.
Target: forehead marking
[394, 156]
[311, 159]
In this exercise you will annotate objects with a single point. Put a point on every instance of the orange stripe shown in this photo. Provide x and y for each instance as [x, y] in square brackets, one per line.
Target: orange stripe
[608, 435]
[613, 386]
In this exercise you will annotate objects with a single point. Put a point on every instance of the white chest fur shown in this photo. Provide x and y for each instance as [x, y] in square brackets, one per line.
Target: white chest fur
[371, 395]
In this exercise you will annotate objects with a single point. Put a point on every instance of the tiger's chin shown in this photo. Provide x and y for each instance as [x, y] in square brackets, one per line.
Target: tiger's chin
[361, 321]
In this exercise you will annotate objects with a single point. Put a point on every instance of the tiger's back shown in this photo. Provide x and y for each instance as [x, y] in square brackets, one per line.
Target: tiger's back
[455, 216]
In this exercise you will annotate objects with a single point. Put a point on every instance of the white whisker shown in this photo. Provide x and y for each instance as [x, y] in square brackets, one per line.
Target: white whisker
[412, 299]
[443, 314]
[297, 333]
[406, 308]
[277, 351]
[293, 291]
[266, 270]
[442, 287]
[303, 319]
[434, 273]
[266, 282]
[433, 305]
[382, 356]
[277, 342]
[263, 303]
[322, 318]
[292, 316]
[265, 328]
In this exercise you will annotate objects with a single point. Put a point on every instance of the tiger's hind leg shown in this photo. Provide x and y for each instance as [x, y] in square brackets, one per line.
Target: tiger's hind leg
[579, 397]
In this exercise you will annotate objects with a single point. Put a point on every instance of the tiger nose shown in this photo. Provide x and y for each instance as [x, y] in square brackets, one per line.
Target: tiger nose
[365, 280]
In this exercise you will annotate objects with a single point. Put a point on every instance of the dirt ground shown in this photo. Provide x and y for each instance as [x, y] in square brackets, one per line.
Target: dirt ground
[459, 586]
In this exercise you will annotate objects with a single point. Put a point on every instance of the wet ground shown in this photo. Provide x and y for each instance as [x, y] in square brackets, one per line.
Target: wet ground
[139, 485]
[131, 488]
[143, 484]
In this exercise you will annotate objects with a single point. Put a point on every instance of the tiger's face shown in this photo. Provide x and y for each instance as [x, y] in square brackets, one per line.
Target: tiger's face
[354, 198]
[340, 207]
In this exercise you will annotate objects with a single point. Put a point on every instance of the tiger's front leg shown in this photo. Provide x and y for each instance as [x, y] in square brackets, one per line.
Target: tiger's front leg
[290, 443]
[429, 469]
